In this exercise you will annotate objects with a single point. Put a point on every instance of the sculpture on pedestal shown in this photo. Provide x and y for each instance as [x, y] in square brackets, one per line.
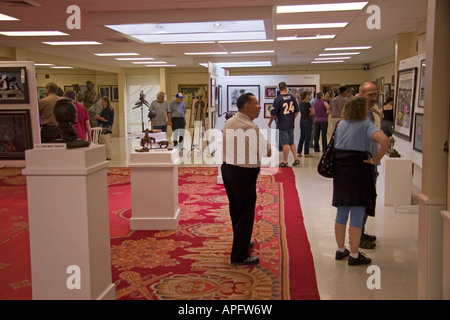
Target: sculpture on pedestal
[66, 116]
[392, 152]
[146, 142]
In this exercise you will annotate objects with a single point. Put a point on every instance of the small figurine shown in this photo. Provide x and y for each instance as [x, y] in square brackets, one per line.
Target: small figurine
[164, 144]
[392, 152]
[146, 142]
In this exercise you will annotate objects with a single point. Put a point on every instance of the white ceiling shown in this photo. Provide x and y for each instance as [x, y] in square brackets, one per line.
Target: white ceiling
[397, 16]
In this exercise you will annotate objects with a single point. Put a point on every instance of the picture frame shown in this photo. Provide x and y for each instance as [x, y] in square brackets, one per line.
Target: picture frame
[15, 134]
[191, 92]
[381, 100]
[234, 91]
[387, 91]
[418, 132]
[220, 101]
[267, 108]
[114, 93]
[105, 91]
[296, 90]
[404, 105]
[42, 92]
[213, 94]
[270, 92]
[421, 102]
[14, 85]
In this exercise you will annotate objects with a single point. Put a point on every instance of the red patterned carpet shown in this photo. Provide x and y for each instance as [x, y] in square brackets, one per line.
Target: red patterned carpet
[191, 262]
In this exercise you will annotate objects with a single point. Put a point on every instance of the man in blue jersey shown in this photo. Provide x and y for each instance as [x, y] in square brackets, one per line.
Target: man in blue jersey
[285, 109]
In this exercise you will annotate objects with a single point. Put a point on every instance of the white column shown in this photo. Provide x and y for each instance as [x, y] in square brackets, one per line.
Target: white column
[154, 190]
[69, 224]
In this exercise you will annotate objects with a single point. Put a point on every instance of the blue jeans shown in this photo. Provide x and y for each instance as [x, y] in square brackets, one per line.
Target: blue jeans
[356, 216]
[306, 127]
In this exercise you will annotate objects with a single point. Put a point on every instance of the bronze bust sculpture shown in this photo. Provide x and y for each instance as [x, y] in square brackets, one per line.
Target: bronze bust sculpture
[66, 116]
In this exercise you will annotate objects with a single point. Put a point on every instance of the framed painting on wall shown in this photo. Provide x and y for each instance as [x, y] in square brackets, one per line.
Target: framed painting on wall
[15, 134]
[421, 103]
[270, 92]
[114, 93]
[235, 91]
[13, 85]
[192, 92]
[418, 132]
[220, 101]
[404, 106]
[105, 91]
[267, 108]
[42, 92]
[296, 90]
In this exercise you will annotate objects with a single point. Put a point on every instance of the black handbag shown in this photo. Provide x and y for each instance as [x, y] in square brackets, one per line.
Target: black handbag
[326, 164]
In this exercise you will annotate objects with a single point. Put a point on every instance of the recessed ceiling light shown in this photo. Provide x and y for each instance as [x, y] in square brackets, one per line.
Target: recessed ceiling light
[32, 33]
[72, 43]
[244, 64]
[311, 26]
[204, 53]
[61, 67]
[189, 42]
[318, 37]
[252, 52]
[161, 65]
[4, 17]
[134, 59]
[339, 54]
[348, 48]
[44, 64]
[330, 61]
[116, 54]
[147, 62]
[333, 58]
[322, 7]
[245, 41]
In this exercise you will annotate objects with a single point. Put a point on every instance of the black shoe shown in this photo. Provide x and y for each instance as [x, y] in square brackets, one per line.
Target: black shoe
[368, 237]
[251, 245]
[342, 255]
[362, 259]
[248, 261]
[366, 244]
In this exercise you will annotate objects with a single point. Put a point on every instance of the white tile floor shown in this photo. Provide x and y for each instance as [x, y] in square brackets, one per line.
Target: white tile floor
[396, 230]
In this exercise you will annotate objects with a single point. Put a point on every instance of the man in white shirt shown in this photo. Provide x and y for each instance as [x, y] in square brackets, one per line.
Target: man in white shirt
[243, 148]
[163, 115]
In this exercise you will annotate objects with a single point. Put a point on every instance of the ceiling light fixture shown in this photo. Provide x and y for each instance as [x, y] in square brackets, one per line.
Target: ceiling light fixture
[116, 54]
[339, 54]
[72, 43]
[330, 61]
[348, 48]
[134, 59]
[32, 33]
[244, 64]
[253, 52]
[161, 65]
[4, 17]
[44, 64]
[245, 41]
[322, 7]
[318, 37]
[61, 67]
[333, 58]
[311, 26]
[204, 53]
[148, 62]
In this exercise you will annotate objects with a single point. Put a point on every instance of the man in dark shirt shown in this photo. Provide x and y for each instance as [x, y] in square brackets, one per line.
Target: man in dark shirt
[285, 109]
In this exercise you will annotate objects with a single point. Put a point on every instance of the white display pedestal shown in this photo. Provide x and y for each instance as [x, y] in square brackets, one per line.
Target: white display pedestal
[154, 190]
[395, 180]
[69, 224]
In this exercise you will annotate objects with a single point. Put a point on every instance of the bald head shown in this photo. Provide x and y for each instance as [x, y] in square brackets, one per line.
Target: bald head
[369, 90]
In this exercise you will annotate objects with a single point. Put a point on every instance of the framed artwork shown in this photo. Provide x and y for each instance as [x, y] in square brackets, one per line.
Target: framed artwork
[15, 134]
[404, 106]
[219, 101]
[381, 100]
[382, 85]
[296, 90]
[234, 92]
[114, 93]
[82, 88]
[14, 85]
[270, 92]
[213, 94]
[213, 120]
[191, 92]
[418, 132]
[267, 108]
[105, 91]
[353, 88]
[387, 91]
[41, 92]
[421, 102]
